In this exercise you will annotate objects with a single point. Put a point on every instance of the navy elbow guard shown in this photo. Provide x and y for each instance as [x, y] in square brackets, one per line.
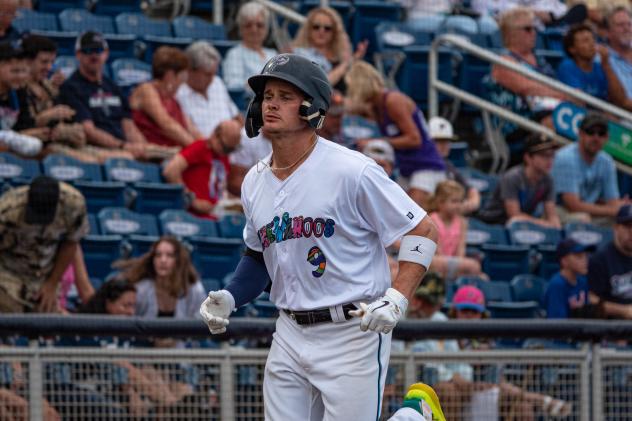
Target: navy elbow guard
[250, 278]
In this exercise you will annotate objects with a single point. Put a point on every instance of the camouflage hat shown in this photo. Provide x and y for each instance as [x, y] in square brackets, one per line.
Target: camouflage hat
[432, 288]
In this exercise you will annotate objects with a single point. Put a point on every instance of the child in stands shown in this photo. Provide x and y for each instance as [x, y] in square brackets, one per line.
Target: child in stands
[450, 260]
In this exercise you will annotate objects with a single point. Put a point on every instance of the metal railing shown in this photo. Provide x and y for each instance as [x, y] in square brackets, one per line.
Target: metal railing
[435, 85]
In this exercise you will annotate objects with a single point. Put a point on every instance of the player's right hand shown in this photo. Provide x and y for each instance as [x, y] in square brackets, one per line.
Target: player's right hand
[216, 309]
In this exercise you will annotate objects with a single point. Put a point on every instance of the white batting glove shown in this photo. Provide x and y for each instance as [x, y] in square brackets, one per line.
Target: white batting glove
[382, 314]
[216, 309]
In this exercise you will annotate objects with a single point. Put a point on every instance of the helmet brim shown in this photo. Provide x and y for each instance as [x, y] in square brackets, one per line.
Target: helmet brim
[258, 83]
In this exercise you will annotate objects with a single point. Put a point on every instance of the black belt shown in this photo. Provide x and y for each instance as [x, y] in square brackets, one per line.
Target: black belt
[320, 315]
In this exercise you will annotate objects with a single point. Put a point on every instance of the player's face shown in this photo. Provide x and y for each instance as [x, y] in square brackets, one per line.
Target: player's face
[593, 139]
[123, 306]
[577, 263]
[623, 237]
[281, 102]
[321, 30]
[584, 46]
[164, 259]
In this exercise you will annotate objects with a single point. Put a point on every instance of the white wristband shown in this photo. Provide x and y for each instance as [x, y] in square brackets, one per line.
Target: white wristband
[417, 249]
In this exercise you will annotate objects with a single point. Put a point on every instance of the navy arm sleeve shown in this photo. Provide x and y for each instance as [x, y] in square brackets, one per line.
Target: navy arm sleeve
[250, 278]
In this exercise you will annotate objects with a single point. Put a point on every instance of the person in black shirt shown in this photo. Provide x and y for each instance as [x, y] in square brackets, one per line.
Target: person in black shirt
[610, 269]
[99, 103]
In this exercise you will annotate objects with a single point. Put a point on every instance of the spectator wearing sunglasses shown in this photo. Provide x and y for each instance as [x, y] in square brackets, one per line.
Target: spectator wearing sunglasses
[99, 104]
[585, 178]
[203, 167]
[323, 39]
[249, 56]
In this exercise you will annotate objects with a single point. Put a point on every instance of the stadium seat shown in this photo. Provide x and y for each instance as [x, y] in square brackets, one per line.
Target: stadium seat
[496, 291]
[211, 284]
[530, 234]
[153, 198]
[56, 6]
[367, 15]
[99, 251]
[140, 244]
[65, 40]
[80, 20]
[397, 35]
[553, 57]
[197, 28]
[28, 20]
[412, 77]
[182, 224]
[121, 46]
[527, 287]
[121, 221]
[66, 64]
[130, 171]
[232, 225]
[65, 168]
[356, 127]
[458, 154]
[548, 262]
[153, 42]
[503, 262]
[94, 224]
[482, 182]
[471, 70]
[514, 310]
[479, 233]
[553, 39]
[16, 171]
[460, 24]
[129, 72]
[588, 234]
[140, 25]
[469, 280]
[101, 194]
[114, 7]
[216, 257]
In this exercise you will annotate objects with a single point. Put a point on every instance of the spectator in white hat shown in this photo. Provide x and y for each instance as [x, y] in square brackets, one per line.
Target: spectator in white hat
[442, 133]
[382, 153]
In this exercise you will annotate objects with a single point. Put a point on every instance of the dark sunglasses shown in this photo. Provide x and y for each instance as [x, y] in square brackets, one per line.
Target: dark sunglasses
[528, 28]
[326, 28]
[88, 51]
[598, 132]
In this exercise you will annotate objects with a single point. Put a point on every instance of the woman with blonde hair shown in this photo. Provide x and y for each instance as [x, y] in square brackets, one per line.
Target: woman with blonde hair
[403, 125]
[323, 39]
[155, 109]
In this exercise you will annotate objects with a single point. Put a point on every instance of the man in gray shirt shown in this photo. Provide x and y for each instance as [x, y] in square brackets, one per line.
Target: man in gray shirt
[525, 192]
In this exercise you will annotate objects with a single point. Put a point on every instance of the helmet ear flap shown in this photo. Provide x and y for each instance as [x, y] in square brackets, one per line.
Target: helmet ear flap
[254, 117]
[313, 115]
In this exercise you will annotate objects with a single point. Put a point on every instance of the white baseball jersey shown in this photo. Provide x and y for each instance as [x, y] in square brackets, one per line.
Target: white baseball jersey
[324, 229]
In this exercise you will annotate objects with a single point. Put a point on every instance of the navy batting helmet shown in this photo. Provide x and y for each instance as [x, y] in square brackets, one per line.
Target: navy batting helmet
[301, 72]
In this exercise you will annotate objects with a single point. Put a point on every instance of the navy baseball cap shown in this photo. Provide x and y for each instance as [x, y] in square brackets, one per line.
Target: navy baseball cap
[568, 246]
[624, 216]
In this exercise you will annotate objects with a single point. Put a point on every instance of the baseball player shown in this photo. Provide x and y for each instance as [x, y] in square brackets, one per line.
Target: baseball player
[319, 217]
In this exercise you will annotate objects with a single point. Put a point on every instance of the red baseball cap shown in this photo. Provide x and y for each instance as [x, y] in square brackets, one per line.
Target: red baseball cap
[469, 297]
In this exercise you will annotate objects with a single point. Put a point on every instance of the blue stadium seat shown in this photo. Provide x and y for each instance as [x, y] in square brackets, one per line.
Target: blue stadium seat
[240, 97]
[121, 46]
[479, 233]
[412, 77]
[367, 15]
[530, 234]
[68, 169]
[469, 280]
[182, 224]
[503, 262]
[56, 6]
[458, 154]
[211, 284]
[460, 24]
[197, 28]
[154, 198]
[471, 70]
[114, 7]
[223, 45]
[216, 257]
[141, 244]
[481, 181]
[588, 234]
[553, 57]
[140, 25]
[232, 225]
[28, 20]
[527, 287]
[101, 194]
[397, 35]
[553, 39]
[94, 224]
[153, 42]
[65, 40]
[130, 171]
[16, 171]
[99, 251]
[129, 72]
[548, 262]
[514, 310]
[80, 20]
[496, 291]
[356, 127]
[66, 64]
[121, 221]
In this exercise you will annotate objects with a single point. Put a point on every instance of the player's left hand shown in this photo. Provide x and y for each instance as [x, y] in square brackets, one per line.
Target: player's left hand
[382, 314]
